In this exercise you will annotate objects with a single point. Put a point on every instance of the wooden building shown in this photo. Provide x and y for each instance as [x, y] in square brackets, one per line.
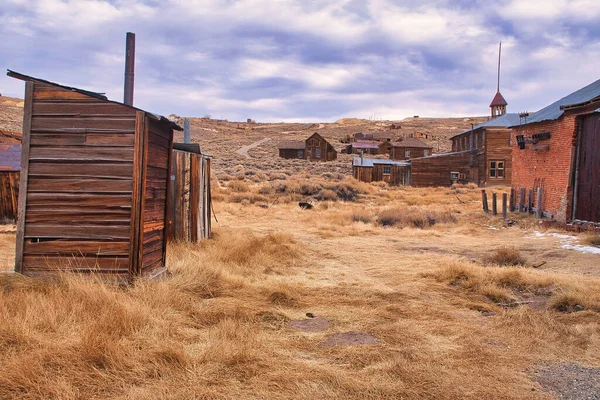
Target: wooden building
[315, 148]
[490, 141]
[441, 169]
[10, 167]
[93, 195]
[410, 148]
[557, 151]
[371, 147]
[374, 170]
[189, 191]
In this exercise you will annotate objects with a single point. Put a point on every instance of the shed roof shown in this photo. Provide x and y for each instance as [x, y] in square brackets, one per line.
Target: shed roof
[292, 145]
[366, 145]
[412, 142]
[370, 162]
[504, 121]
[97, 95]
[10, 157]
[498, 100]
[555, 110]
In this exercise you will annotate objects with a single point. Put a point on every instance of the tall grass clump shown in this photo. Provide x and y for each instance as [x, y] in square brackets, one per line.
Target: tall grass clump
[413, 217]
[505, 256]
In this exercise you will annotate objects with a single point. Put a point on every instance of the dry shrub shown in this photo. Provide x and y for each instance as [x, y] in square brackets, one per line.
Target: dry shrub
[247, 198]
[362, 215]
[413, 217]
[505, 256]
[590, 240]
[238, 186]
[326, 195]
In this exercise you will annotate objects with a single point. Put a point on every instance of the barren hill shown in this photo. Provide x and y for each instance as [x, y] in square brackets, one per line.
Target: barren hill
[11, 119]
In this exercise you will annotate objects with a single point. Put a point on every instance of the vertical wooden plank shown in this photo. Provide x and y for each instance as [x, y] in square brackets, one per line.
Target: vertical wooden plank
[484, 201]
[137, 194]
[494, 204]
[512, 200]
[140, 245]
[195, 205]
[530, 202]
[539, 203]
[522, 200]
[169, 172]
[504, 205]
[25, 148]
[208, 208]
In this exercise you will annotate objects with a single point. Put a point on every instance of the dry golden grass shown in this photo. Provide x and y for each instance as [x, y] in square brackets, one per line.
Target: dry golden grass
[217, 326]
[507, 256]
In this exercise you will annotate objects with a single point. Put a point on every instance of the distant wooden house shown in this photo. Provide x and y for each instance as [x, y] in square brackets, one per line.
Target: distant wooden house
[10, 167]
[189, 191]
[315, 148]
[93, 195]
[490, 141]
[371, 147]
[410, 148]
[557, 151]
[375, 170]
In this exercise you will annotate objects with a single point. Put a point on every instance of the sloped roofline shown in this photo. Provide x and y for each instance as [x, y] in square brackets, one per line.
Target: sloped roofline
[101, 96]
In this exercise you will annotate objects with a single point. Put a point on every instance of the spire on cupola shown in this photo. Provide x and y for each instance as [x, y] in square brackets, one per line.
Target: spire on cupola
[498, 104]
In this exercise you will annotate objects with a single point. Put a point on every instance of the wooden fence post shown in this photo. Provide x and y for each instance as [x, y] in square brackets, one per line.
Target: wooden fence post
[522, 200]
[494, 204]
[539, 203]
[530, 202]
[484, 201]
[512, 200]
[504, 200]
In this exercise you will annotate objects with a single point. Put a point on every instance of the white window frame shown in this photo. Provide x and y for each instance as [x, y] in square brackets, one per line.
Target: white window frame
[318, 152]
[387, 170]
[497, 169]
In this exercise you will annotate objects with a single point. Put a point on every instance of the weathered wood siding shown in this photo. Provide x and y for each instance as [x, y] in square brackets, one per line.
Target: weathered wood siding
[291, 153]
[93, 186]
[399, 153]
[316, 141]
[497, 147]
[399, 175]
[9, 196]
[189, 215]
[435, 171]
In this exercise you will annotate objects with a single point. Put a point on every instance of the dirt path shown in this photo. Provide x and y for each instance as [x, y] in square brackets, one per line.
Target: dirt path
[243, 151]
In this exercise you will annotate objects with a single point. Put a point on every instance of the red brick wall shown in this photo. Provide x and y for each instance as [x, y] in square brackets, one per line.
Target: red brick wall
[550, 169]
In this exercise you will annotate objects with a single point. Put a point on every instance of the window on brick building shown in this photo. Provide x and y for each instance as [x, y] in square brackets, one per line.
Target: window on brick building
[497, 169]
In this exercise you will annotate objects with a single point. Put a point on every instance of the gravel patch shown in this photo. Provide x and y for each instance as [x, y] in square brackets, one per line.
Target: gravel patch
[569, 381]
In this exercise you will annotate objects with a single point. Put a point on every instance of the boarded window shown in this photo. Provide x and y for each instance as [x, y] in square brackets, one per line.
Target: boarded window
[386, 169]
[497, 169]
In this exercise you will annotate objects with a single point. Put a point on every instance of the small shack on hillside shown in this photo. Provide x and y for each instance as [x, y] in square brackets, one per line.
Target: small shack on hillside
[189, 191]
[372, 147]
[314, 148]
[375, 170]
[410, 148]
[93, 195]
[10, 167]
[557, 150]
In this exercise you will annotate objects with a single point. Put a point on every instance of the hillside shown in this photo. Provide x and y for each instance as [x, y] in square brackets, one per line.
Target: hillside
[11, 119]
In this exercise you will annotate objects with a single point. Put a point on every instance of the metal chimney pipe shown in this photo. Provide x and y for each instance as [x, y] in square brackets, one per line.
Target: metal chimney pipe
[129, 69]
[186, 131]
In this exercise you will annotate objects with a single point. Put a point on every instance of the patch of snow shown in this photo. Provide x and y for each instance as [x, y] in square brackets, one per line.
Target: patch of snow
[493, 228]
[537, 234]
[582, 249]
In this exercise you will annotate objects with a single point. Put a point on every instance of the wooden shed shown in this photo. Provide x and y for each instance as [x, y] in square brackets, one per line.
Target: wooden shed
[93, 195]
[189, 191]
[374, 170]
[10, 167]
[410, 148]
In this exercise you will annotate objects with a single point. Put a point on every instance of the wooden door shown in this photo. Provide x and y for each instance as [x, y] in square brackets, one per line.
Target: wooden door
[588, 182]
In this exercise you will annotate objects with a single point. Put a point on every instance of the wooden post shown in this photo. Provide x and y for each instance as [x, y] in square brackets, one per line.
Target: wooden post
[522, 200]
[484, 201]
[494, 204]
[530, 202]
[129, 68]
[504, 200]
[539, 203]
[512, 200]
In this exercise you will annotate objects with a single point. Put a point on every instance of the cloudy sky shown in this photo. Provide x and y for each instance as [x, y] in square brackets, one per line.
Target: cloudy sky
[308, 60]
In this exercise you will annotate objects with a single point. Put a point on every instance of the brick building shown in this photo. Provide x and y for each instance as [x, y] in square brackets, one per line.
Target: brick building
[558, 150]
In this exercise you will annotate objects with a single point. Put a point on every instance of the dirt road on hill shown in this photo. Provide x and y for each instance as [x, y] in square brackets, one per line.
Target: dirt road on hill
[243, 151]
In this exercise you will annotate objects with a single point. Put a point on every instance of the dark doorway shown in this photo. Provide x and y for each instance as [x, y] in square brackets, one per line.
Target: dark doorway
[588, 181]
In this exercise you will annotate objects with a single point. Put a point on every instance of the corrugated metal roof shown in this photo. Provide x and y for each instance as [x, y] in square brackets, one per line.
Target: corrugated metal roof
[292, 145]
[412, 142]
[97, 95]
[504, 121]
[369, 162]
[498, 100]
[10, 157]
[555, 110]
[444, 154]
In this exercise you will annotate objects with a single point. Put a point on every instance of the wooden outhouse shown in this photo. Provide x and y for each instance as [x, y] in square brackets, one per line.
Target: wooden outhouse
[189, 191]
[93, 195]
